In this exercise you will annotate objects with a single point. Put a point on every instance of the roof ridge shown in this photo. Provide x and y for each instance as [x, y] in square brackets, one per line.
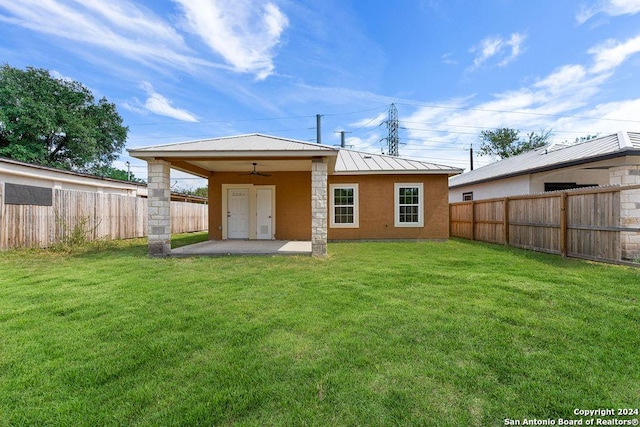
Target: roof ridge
[624, 141]
[221, 138]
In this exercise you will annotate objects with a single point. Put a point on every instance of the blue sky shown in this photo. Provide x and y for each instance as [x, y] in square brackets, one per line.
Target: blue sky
[181, 70]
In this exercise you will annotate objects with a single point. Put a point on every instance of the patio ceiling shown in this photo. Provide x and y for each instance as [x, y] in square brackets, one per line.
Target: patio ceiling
[206, 167]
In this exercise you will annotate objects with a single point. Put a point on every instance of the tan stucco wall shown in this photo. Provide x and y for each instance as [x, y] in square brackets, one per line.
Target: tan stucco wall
[376, 197]
[293, 202]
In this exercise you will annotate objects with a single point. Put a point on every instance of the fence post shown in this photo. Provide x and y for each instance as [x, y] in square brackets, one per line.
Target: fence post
[506, 221]
[563, 223]
[473, 220]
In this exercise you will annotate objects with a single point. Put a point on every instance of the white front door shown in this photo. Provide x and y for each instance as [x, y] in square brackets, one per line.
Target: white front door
[238, 213]
[264, 214]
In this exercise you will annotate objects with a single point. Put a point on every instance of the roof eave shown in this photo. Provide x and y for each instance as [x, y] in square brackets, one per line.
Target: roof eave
[141, 154]
[616, 154]
[449, 172]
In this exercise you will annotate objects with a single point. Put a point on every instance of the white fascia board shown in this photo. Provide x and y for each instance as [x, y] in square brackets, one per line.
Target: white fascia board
[229, 154]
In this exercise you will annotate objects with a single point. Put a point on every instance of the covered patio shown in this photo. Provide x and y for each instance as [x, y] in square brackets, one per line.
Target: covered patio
[266, 194]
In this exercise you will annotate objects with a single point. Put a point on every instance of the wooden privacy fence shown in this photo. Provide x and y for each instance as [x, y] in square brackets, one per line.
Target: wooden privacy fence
[582, 223]
[95, 215]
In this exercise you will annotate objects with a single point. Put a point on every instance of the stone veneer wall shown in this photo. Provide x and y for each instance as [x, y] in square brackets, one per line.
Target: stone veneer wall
[629, 208]
[319, 207]
[159, 213]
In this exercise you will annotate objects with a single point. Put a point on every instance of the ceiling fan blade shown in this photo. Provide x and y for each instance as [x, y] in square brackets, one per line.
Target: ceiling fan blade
[255, 172]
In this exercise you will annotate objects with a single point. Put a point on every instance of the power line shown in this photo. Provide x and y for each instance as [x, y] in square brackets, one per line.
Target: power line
[254, 119]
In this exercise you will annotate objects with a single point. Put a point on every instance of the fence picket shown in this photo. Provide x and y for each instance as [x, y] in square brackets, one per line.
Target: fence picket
[105, 216]
[584, 223]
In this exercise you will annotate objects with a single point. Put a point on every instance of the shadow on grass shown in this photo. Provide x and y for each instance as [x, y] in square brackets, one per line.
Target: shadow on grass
[179, 240]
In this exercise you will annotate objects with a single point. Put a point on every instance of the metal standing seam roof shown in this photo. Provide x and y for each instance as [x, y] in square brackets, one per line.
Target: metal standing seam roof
[242, 143]
[348, 162]
[552, 156]
[351, 162]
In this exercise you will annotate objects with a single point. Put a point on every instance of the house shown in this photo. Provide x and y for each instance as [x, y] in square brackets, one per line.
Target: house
[608, 160]
[40, 206]
[271, 188]
[27, 180]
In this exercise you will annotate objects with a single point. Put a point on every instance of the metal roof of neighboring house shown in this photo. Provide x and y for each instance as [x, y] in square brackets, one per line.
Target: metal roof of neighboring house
[553, 156]
[347, 162]
[46, 173]
[39, 170]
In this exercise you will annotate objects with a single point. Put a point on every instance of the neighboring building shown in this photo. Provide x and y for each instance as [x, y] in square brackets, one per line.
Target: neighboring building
[596, 162]
[26, 179]
[42, 206]
[265, 187]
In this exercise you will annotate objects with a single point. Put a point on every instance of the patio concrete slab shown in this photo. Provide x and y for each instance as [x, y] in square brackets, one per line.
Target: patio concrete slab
[244, 247]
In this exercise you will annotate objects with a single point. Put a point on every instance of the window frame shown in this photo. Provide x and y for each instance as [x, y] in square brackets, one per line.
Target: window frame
[467, 196]
[397, 186]
[356, 206]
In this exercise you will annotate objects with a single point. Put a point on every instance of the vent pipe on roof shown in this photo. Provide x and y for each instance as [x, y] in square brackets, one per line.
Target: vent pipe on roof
[318, 130]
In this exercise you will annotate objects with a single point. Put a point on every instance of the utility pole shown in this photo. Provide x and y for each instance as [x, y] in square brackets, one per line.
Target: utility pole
[471, 156]
[318, 129]
[343, 143]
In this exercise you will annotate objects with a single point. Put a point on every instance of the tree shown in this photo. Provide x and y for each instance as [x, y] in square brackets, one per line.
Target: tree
[505, 142]
[113, 173]
[201, 192]
[584, 138]
[56, 122]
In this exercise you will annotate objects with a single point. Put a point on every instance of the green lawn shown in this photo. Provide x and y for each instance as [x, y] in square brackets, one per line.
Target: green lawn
[454, 333]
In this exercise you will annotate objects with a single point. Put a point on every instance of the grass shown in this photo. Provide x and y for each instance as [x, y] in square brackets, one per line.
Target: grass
[454, 333]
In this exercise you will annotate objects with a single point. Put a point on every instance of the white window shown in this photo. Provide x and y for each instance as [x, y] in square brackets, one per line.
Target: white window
[409, 205]
[344, 205]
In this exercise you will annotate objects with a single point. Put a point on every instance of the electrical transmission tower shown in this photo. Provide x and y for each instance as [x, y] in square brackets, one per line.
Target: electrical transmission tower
[392, 125]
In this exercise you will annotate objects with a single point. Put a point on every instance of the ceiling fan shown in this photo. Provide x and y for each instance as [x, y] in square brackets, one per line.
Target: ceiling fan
[255, 172]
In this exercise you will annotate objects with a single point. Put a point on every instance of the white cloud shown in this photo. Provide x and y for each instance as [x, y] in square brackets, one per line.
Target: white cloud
[117, 26]
[160, 105]
[515, 43]
[487, 48]
[56, 75]
[611, 53]
[369, 122]
[558, 100]
[496, 46]
[243, 33]
[446, 59]
[608, 7]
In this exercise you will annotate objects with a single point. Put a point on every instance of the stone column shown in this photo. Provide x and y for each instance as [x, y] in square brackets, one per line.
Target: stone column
[629, 209]
[319, 207]
[159, 208]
